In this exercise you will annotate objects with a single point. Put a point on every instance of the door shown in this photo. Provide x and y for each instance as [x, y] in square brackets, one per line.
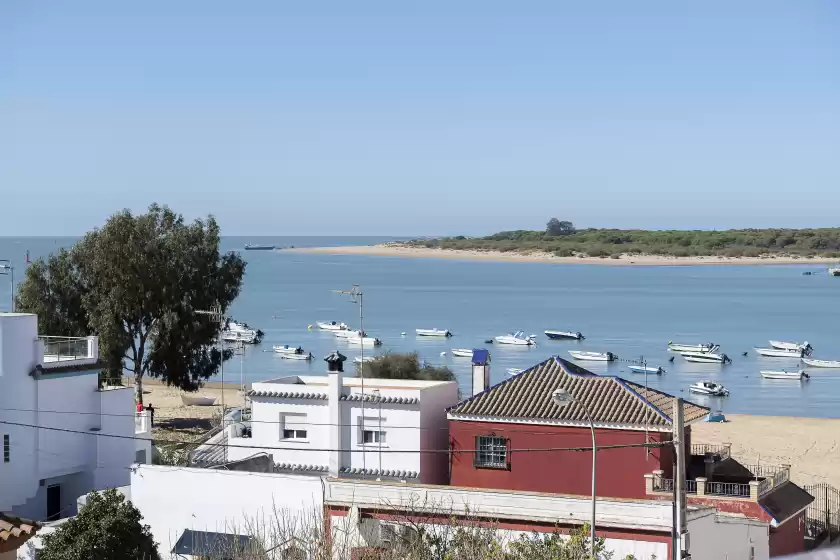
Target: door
[53, 502]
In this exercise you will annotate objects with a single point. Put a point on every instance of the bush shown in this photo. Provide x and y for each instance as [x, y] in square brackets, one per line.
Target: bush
[615, 256]
[404, 366]
[564, 253]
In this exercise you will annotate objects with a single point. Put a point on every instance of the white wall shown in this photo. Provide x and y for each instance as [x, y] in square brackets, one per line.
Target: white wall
[115, 455]
[434, 467]
[716, 537]
[172, 499]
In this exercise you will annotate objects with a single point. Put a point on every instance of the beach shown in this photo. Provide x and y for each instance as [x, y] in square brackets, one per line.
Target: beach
[397, 250]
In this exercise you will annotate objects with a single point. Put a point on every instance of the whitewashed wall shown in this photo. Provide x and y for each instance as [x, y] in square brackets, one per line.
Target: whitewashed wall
[115, 455]
[714, 537]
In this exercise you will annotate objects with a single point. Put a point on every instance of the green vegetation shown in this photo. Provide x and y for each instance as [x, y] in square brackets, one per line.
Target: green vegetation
[404, 366]
[139, 283]
[563, 240]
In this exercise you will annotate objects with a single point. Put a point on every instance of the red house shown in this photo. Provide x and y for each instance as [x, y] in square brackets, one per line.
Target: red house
[519, 414]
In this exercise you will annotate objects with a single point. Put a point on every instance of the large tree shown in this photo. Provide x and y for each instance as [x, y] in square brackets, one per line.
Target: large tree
[107, 527]
[139, 283]
[557, 227]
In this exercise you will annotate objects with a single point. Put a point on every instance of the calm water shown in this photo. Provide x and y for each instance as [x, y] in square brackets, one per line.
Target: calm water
[630, 311]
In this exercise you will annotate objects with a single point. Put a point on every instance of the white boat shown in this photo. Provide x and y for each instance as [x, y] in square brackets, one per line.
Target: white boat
[795, 375]
[832, 364]
[705, 357]
[514, 371]
[364, 341]
[646, 369]
[517, 339]
[234, 326]
[834, 271]
[433, 332]
[701, 348]
[359, 359]
[331, 326]
[593, 356]
[196, 400]
[287, 349]
[792, 346]
[564, 335]
[462, 352]
[296, 356]
[776, 353]
[709, 388]
[248, 337]
[347, 333]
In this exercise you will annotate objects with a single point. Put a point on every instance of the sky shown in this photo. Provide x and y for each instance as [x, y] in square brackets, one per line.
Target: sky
[420, 118]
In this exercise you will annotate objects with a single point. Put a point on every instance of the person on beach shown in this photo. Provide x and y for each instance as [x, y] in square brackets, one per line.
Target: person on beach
[139, 407]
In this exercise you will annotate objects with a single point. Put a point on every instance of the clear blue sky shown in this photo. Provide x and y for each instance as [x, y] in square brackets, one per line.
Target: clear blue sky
[412, 118]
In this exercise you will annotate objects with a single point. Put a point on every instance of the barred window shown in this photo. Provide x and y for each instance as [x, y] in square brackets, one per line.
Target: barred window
[491, 452]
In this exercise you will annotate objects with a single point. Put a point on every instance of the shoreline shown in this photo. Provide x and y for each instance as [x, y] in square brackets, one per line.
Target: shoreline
[548, 258]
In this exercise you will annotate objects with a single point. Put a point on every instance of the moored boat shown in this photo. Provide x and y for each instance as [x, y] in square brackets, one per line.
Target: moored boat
[246, 337]
[254, 247]
[646, 369]
[794, 375]
[706, 357]
[709, 388]
[835, 271]
[197, 400]
[517, 339]
[286, 349]
[593, 356]
[364, 341]
[514, 371]
[359, 359]
[331, 326]
[564, 335]
[829, 364]
[701, 348]
[347, 333]
[462, 352]
[296, 356]
[433, 332]
[776, 353]
[792, 346]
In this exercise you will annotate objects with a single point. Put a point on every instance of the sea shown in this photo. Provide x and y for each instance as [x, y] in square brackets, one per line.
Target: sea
[630, 311]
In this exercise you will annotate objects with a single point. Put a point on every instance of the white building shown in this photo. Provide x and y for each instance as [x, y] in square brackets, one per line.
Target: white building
[325, 425]
[57, 425]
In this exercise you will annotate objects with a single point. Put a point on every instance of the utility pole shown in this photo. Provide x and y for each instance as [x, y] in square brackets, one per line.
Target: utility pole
[681, 544]
[215, 314]
[356, 296]
[647, 408]
[7, 269]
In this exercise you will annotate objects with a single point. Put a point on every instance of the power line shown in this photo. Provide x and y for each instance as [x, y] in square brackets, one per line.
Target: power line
[394, 451]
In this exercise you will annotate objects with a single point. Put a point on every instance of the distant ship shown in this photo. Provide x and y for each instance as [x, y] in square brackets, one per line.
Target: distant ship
[250, 247]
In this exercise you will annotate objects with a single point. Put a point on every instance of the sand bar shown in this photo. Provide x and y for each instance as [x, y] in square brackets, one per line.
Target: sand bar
[390, 250]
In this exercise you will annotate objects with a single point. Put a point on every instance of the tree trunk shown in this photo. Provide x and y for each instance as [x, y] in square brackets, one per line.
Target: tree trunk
[138, 385]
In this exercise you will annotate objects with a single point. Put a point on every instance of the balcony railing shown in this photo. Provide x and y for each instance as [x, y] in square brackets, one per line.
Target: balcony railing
[733, 489]
[65, 348]
[723, 451]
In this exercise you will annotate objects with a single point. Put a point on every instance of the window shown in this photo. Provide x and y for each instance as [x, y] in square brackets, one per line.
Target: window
[491, 452]
[373, 436]
[370, 432]
[7, 448]
[293, 426]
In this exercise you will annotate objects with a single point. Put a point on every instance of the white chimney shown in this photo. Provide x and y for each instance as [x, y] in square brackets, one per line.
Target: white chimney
[480, 370]
[335, 383]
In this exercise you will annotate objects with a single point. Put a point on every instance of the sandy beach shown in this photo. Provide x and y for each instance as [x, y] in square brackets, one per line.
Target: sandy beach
[390, 250]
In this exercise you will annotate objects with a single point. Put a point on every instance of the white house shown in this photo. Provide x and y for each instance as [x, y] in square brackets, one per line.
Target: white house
[62, 435]
[393, 429]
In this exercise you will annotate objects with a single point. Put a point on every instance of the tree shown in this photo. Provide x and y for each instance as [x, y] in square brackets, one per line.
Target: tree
[555, 227]
[138, 283]
[107, 527]
[404, 366]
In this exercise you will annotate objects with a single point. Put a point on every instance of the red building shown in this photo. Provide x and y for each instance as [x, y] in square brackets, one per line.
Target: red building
[501, 422]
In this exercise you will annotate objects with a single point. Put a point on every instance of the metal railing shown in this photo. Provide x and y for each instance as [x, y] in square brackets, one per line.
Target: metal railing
[59, 348]
[690, 486]
[663, 484]
[707, 449]
[733, 489]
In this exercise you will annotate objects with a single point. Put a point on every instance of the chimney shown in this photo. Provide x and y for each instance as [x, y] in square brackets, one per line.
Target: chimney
[480, 370]
[335, 384]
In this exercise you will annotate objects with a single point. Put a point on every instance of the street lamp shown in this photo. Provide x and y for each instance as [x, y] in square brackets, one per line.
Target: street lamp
[561, 398]
[6, 268]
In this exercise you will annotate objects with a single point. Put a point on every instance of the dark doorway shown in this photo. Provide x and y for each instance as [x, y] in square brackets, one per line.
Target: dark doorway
[53, 502]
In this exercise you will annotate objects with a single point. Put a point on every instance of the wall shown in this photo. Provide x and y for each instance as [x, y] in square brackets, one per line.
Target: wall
[172, 499]
[115, 455]
[434, 432]
[401, 424]
[789, 538]
[714, 537]
[72, 486]
[620, 472]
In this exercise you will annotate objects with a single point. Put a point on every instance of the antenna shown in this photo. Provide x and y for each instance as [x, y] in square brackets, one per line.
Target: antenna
[356, 296]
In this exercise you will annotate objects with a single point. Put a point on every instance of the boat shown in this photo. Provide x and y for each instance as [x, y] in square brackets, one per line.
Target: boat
[462, 352]
[514, 371]
[296, 356]
[593, 356]
[250, 247]
[235, 326]
[833, 364]
[706, 358]
[433, 332]
[247, 337]
[794, 375]
[792, 346]
[646, 369]
[287, 349]
[835, 271]
[348, 334]
[517, 339]
[197, 400]
[564, 335]
[776, 353]
[331, 326]
[709, 388]
[364, 341]
[703, 348]
[359, 359]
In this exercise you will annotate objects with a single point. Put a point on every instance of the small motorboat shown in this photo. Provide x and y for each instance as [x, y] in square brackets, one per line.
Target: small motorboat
[296, 356]
[462, 352]
[792, 346]
[564, 335]
[706, 358]
[593, 356]
[347, 333]
[517, 339]
[831, 364]
[791, 375]
[364, 341]
[286, 349]
[366, 359]
[197, 400]
[253, 247]
[246, 337]
[514, 371]
[709, 388]
[331, 326]
[776, 353]
[834, 271]
[646, 369]
[433, 332]
[700, 348]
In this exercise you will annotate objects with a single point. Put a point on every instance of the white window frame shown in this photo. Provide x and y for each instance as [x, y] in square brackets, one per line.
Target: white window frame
[371, 424]
[291, 421]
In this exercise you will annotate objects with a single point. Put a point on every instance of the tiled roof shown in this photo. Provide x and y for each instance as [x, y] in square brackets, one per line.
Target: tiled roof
[610, 400]
[298, 468]
[785, 501]
[288, 395]
[372, 398]
[378, 472]
[212, 452]
[13, 528]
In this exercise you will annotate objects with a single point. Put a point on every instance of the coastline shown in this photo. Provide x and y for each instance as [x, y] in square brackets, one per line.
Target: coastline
[548, 258]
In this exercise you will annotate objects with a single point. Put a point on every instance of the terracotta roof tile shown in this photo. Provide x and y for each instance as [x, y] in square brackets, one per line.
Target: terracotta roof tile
[610, 400]
[13, 527]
